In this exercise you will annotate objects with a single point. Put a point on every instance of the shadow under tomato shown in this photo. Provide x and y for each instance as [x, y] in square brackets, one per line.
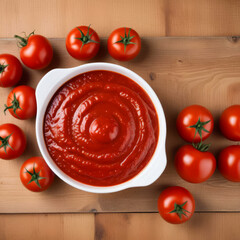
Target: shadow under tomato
[26, 77]
[56, 62]
[56, 187]
[144, 52]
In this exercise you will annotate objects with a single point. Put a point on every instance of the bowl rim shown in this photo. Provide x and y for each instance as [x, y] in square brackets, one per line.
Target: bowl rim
[54, 79]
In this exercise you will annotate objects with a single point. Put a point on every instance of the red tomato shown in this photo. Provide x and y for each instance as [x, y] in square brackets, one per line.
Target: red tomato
[230, 123]
[194, 165]
[36, 51]
[124, 44]
[176, 205]
[82, 43]
[21, 102]
[195, 122]
[10, 70]
[12, 141]
[229, 163]
[36, 175]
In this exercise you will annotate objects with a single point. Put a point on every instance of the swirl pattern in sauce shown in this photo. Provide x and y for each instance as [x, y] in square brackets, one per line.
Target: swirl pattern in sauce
[101, 128]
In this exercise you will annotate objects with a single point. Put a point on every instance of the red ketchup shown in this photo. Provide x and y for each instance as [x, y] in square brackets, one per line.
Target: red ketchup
[101, 128]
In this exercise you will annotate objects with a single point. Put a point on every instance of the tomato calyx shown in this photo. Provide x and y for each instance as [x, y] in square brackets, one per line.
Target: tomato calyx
[85, 39]
[15, 105]
[2, 67]
[199, 127]
[34, 176]
[5, 143]
[23, 41]
[180, 210]
[201, 146]
[126, 40]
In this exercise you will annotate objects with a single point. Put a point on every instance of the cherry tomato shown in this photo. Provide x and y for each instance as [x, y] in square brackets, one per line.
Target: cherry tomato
[176, 205]
[195, 123]
[35, 174]
[124, 44]
[12, 141]
[10, 70]
[36, 51]
[82, 43]
[21, 102]
[230, 123]
[229, 163]
[195, 164]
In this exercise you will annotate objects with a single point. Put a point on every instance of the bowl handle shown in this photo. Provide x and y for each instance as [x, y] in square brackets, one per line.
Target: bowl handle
[154, 173]
[47, 83]
[159, 168]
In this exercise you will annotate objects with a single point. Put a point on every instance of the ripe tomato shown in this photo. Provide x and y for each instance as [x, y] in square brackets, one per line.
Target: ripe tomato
[36, 51]
[176, 205]
[21, 102]
[195, 123]
[12, 141]
[195, 165]
[36, 175]
[229, 163]
[230, 123]
[10, 70]
[82, 43]
[124, 44]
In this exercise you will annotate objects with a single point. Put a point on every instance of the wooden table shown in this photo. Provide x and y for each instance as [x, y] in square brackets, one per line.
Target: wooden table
[173, 64]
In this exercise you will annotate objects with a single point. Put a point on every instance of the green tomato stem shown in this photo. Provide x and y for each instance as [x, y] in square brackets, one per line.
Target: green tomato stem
[2, 68]
[5, 143]
[85, 39]
[126, 40]
[179, 210]
[15, 105]
[35, 176]
[23, 41]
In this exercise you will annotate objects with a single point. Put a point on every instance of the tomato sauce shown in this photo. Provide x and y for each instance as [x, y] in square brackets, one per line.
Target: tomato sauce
[101, 128]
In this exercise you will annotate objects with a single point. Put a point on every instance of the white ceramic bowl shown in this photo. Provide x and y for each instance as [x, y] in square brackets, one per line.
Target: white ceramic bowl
[53, 80]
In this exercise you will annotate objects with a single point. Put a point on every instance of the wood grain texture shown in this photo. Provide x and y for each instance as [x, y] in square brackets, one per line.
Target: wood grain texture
[56, 18]
[182, 72]
[118, 226]
[202, 18]
[202, 226]
[150, 18]
[47, 227]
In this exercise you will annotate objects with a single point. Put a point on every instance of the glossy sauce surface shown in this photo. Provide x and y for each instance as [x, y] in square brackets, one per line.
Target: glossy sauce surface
[101, 128]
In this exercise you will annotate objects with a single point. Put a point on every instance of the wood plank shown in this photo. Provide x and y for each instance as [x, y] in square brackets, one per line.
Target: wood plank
[61, 16]
[202, 18]
[47, 226]
[116, 226]
[202, 226]
[182, 72]
[148, 17]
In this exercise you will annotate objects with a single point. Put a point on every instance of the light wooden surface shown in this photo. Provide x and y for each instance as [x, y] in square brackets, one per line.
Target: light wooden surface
[182, 71]
[47, 227]
[127, 226]
[150, 18]
[151, 226]
[55, 18]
